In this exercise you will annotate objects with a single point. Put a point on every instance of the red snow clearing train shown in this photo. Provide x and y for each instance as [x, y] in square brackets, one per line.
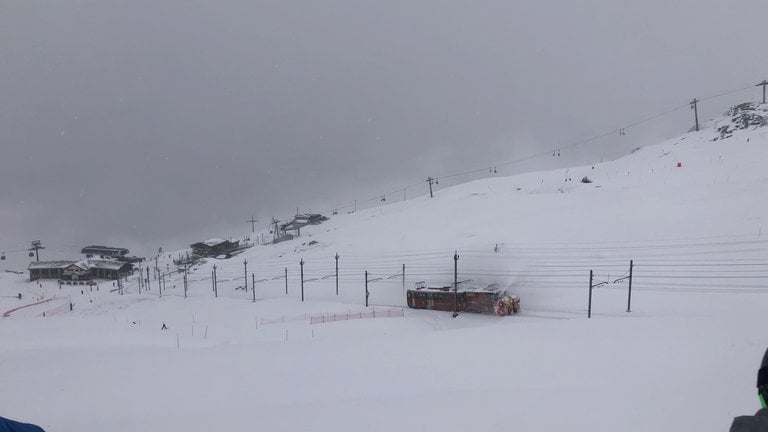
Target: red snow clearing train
[490, 300]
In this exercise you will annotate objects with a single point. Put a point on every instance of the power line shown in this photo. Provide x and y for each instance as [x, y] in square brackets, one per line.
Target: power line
[497, 163]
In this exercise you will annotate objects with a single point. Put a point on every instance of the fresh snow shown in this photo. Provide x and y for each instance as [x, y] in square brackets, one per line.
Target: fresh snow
[685, 358]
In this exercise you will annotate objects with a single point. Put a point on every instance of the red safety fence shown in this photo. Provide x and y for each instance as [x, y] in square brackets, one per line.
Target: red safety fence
[332, 317]
[326, 318]
[285, 318]
[9, 312]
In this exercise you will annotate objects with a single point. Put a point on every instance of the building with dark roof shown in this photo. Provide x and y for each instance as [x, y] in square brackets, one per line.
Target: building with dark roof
[215, 247]
[106, 251]
[47, 269]
[79, 270]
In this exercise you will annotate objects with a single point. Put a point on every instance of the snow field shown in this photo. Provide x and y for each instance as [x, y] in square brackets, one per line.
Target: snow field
[685, 358]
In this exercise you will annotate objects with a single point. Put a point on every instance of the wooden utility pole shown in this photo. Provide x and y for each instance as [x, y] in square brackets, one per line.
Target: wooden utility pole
[589, 304]
[455, 284]
[366, 288]
[253, 286]
[215, 283]
[337, 273]
[763, 84]
[629, 293]
[245, 264]
[253, 221]
[695, 111]
[286, 281]
[301, 264]
[403, 278]
[185, 279]
[430, 180]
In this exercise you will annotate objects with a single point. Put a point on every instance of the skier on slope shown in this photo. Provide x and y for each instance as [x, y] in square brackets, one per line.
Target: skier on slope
[759, 421]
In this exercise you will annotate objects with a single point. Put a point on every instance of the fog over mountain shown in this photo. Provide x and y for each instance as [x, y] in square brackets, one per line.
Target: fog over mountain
[148, 124]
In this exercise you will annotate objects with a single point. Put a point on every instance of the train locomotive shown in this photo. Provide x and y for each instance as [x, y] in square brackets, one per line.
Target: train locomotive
[489, 300]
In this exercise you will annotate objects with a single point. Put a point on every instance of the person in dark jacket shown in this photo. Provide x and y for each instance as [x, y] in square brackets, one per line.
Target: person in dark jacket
[759, 421]
[13, 426]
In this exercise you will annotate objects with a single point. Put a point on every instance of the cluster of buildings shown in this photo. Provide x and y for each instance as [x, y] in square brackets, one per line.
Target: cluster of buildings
[111, 263]
[100, 262]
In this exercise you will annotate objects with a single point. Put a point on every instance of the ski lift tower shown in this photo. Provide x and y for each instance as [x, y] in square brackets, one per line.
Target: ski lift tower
[275, 230]
[36, 246]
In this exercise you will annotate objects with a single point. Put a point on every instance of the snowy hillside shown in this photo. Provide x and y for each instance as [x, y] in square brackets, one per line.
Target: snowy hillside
[690, 213]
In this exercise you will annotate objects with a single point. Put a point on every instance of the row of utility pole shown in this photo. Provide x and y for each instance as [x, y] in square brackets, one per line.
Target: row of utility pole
[367, 278]
[214, 279]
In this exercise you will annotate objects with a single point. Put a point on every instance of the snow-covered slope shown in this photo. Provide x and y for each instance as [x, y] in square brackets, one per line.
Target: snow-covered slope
[690, 213]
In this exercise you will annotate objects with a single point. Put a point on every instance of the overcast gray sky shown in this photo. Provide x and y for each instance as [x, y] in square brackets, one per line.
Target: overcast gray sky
[157, 123]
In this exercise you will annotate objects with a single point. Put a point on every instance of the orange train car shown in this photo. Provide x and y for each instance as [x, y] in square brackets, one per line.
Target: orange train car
[479, 300]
